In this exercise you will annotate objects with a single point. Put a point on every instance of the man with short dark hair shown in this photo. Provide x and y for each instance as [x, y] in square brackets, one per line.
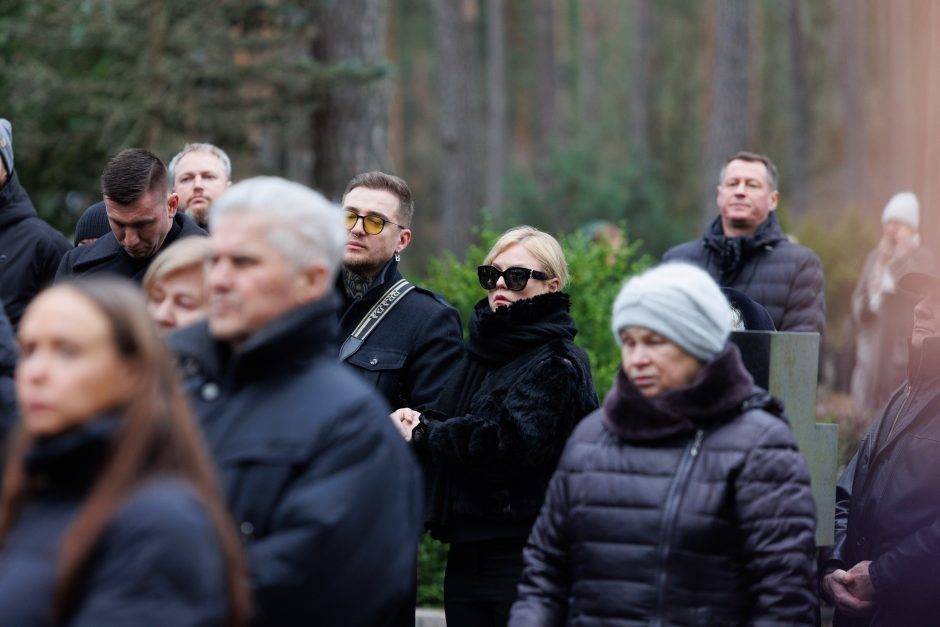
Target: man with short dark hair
[199, 174]
[30, 249]
[882, 568]
[324, 491]
[409, 353]
[143, 216]
[746, 249]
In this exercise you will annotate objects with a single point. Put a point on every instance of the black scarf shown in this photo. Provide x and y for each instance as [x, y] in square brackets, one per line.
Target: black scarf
[719, 392]
[71, 460]
[498, 337]
[732, 251]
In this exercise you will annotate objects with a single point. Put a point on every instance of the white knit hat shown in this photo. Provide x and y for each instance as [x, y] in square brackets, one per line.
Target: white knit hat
[903, 207]
[679, 301]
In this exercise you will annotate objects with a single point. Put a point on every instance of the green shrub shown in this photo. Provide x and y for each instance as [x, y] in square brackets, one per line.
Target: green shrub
[597, 273]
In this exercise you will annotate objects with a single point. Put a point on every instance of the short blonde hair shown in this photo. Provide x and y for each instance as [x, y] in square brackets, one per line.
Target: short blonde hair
[189, 252]
[541, 245]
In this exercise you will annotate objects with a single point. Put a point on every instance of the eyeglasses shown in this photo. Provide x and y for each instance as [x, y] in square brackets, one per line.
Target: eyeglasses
[371, 224]
[515, 278]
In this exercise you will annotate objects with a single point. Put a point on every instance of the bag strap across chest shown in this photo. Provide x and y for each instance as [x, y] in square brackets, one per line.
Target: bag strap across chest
[374, 317]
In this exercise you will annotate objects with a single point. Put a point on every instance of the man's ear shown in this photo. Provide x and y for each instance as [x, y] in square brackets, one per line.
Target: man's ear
[313, 282]
[774, 199]
[404, 238]
[172, 203]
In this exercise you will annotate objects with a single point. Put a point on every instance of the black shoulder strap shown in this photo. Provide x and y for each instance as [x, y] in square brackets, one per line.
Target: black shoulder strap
[372, 319]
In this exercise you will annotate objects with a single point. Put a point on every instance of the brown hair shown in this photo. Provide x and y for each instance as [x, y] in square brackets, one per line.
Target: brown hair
[389, 183]
[753, 157]
[132, 173]
[157, 436]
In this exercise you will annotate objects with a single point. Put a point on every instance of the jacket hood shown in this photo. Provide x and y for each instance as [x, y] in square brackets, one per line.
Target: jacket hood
[722, 390]
[15, 204]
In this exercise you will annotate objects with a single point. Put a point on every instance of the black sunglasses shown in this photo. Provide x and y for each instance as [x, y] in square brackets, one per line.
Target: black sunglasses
[515, 278]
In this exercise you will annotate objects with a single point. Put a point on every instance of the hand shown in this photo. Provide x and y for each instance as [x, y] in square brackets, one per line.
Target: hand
[861, 585]
[837, 585]
[405, 420]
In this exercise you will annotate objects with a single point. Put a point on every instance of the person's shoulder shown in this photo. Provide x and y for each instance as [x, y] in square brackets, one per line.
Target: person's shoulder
[167, 507]
[690, 250]
[430, 300]
[188, 227]
[99, 252]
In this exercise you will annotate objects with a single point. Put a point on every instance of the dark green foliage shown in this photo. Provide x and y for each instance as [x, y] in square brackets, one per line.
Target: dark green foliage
[84, 79]
[432, 557]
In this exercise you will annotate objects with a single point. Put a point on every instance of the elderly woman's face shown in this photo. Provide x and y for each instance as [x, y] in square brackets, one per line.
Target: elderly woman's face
[69, 369]
[655, 364]
[517, 256]
[179, 299]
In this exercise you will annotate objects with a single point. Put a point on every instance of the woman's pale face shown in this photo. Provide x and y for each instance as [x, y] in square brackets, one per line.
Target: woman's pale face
[69, 369]
[655, 364]
[179, 299]
[517, 256]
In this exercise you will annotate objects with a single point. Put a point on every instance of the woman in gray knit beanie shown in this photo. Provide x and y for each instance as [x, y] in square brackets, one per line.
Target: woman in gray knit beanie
[683, 500]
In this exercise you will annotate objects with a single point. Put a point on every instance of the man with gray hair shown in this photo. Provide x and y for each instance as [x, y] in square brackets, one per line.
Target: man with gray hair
[199, 174]
[325, 493]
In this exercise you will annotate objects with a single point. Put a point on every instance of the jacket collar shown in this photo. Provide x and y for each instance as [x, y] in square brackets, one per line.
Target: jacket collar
[923, 365]
[72, 459]
[107, 246]
[290, 341]
[767, 234]
[721, 390]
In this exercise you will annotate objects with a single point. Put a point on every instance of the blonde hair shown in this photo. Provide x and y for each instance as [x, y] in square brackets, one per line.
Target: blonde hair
[189, 252]
[541, 245]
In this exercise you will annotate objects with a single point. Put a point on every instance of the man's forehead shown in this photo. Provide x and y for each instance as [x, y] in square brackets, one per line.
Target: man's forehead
[199, 160]
[741, 167]
[150, 205]
[365, 199]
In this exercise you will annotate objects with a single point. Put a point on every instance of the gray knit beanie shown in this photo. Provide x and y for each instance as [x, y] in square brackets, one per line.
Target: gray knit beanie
[6, 144]
[679, 301]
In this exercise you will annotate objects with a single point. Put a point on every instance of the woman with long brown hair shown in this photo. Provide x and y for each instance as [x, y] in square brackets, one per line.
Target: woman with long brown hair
[109, 513]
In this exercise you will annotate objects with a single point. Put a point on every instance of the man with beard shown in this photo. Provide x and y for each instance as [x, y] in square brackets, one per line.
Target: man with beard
[199, 174]
[409, 353]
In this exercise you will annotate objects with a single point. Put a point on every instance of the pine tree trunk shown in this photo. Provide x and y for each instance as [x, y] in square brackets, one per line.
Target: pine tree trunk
[496, 158]
[350, 130]
[800, 179]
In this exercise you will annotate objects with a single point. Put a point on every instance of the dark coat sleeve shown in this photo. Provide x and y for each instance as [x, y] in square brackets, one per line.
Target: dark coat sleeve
[519, 429]
[352, 514]
[160, 564]
[805, 308]
[437, 352]
[911, 565]
[544, 588]
[835, 556]
[777, 518]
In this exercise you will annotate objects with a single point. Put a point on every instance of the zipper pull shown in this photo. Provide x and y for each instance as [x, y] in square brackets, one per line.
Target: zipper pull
[699, 436]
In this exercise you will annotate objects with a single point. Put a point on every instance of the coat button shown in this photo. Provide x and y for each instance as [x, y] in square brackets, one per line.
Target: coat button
[246, 528]
[373, 361]
[210, 391]
[860, 541]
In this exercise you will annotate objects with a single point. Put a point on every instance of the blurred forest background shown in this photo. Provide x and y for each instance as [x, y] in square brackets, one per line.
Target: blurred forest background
[551, 112]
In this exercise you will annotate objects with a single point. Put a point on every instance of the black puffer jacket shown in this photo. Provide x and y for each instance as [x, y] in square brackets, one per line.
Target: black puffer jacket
[692, 508]
[786, 278]
[509, 407]
[888, 502]
[30, 249]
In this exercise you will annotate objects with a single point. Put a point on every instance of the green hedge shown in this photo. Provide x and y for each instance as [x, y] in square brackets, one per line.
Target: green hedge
[597, 273]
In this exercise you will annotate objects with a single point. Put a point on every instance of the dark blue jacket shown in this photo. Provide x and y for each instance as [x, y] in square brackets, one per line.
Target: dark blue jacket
[323, 488]
[888, 502]
[8, 357]
[786, 278]
[30, 249]
[107, 255]
[157, 563]
[410, 355]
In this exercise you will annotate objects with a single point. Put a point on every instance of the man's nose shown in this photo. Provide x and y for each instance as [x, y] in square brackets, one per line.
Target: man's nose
[131, 237]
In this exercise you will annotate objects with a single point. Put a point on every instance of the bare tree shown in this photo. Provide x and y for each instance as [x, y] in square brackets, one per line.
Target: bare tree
[350, 130]
[728, 92]
[641, 64]
[496, 148]
[546, 88]
[800, 145]
[458, 69]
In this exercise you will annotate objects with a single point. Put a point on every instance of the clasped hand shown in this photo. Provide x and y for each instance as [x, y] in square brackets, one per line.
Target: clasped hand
[405, 420]
[851, 591]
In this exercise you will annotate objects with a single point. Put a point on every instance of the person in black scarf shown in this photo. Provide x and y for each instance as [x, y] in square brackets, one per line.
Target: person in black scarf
[684, 500]
[492, 441]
